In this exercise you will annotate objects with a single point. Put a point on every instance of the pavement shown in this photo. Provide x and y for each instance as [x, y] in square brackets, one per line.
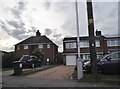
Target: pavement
[38, 80]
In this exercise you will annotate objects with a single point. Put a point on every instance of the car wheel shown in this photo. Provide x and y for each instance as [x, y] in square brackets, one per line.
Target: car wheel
[99, 69]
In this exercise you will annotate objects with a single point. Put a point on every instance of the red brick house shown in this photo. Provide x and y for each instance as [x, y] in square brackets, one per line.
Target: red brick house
[47, 47]
[70, 47]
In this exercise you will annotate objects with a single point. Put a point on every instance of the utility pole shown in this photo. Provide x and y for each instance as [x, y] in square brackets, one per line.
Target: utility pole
[92, 46]
[79, 60]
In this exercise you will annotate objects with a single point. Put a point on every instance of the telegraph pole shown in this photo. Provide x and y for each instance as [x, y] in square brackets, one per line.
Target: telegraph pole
[79, 60]
[92, 46]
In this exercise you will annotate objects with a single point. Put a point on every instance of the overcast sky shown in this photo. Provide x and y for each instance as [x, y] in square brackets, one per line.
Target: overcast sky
[19, 19]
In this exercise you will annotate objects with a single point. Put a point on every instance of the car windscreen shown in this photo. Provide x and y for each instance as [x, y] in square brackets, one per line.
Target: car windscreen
[24, 58]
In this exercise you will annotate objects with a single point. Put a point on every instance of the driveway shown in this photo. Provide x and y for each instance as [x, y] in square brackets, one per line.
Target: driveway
[60, 72]
[55, 77]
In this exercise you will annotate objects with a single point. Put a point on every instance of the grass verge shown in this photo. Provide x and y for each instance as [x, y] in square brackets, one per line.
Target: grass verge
[107, 79]
[7, 69]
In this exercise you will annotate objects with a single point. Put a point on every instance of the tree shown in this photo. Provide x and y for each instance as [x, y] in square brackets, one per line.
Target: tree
[7, 60]
[38, 53]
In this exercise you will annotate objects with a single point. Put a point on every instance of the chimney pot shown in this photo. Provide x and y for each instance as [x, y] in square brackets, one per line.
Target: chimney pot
[98, 33]
[38, 33]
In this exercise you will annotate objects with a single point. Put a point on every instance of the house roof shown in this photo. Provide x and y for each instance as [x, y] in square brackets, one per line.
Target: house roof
[110, 38]
[83, 38]
[35, 40]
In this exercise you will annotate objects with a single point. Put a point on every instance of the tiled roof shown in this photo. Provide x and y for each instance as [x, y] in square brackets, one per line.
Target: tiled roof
[35, 40]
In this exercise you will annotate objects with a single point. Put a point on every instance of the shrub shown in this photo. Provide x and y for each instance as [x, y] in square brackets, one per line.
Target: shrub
[7, 60]
[38, 53]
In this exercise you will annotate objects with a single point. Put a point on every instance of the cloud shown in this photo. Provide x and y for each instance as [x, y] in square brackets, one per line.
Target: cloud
[57, 35]
[106, 17]
[34, 29]
[17, 10]
[17, 32]
[17, 24]
[57, 20]
[47, 4]
[48, 31]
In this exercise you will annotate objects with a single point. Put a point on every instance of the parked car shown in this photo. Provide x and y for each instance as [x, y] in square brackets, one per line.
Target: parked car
[108, 64]
[30, 61]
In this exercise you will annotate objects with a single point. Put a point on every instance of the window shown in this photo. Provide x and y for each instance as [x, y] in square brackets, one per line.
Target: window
[113, 42]
[97, 43]
[33, 57]
[40, 46]
[117, 42]
[84, 44]
[70, 45]
[115, 56]
[48, 45]
[18, 48]
[81, 56]
[25, 46]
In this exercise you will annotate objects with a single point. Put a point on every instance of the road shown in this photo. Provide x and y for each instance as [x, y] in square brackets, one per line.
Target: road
[39, 81]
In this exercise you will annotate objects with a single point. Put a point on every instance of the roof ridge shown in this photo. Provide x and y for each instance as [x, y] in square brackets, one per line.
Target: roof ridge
[36, 39]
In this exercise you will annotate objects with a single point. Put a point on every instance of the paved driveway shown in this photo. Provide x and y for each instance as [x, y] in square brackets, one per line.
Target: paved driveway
[60, 72]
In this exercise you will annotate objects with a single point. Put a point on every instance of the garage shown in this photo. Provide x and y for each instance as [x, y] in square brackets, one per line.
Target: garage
[71, 60]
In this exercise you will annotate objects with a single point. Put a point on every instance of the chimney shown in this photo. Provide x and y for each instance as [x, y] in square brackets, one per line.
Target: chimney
[38, 33]
[98, 33]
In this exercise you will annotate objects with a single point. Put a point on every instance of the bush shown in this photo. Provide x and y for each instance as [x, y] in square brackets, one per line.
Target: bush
[7, 60]
[38, 53]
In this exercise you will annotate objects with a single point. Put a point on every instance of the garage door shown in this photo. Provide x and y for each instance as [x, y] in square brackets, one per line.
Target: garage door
[71, 60]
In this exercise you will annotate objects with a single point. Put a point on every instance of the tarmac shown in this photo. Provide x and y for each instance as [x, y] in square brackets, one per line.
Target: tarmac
[25, 81]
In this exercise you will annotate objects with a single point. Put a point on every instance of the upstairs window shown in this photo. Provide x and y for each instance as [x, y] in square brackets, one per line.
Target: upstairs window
[25, 46]
[48, 45]
[70, 45]
[40, 46]
[113, 42]
[84, 44]
[18, 48]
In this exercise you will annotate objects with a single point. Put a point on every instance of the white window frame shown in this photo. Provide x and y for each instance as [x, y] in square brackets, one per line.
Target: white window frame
[48, 45]
[97, 43]
[70, 45]
[25, 46]
[113, 42]
[84, 44]
[40, 46]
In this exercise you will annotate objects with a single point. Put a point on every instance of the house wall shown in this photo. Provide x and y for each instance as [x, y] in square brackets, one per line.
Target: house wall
[113, 48]
[85, 55]
[103, 46]
[49, 53]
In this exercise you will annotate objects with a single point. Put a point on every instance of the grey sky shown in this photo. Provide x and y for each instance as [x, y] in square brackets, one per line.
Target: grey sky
[20, 19]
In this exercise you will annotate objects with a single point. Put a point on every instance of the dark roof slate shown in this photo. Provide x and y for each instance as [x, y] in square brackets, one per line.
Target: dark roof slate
[36, 39]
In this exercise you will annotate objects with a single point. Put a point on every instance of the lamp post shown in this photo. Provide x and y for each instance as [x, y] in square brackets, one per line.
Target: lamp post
[92, 40]
[79, 60]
